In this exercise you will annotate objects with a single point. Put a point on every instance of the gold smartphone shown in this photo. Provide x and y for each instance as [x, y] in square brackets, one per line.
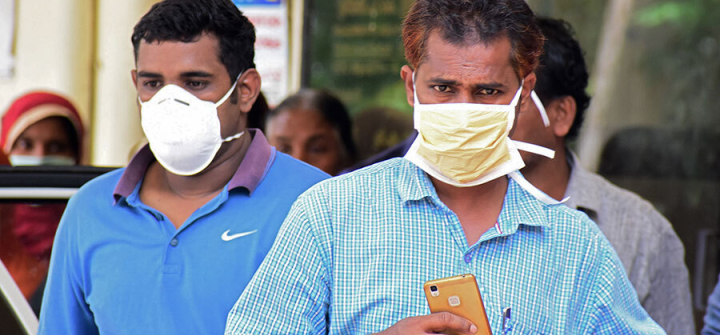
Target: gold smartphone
[458, 295]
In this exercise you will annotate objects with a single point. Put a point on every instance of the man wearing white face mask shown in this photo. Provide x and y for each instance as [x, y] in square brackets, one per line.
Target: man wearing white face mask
[645, 241]
[165, 245]
[356, 250]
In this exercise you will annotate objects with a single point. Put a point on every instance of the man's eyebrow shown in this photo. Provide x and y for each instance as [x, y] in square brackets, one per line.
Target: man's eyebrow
[450, 82]
[442, 81]
[196, 74]
[146, 74]
[491, 85]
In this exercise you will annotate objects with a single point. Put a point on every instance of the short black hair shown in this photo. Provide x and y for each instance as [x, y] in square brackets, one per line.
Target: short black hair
[562, 71]
[258, 112]
[331, 109]
[186, 20]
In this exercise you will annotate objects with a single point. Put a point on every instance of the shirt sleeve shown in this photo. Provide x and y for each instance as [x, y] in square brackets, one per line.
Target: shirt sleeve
[615, 306]
[64, 309]
[290, 292]
[669, 301]
[712, 315]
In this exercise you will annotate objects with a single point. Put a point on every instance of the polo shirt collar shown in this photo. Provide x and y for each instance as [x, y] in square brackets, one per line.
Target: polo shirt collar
[580, 188]
[249, 174]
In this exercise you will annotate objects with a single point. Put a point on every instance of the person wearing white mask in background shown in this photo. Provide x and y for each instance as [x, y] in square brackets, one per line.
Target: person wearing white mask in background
[38, 128]
[165, 245]
[355, 250]
[650, 250]
[42, 128]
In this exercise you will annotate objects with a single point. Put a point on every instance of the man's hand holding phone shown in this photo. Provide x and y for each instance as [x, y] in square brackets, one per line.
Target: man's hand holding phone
[435, 323]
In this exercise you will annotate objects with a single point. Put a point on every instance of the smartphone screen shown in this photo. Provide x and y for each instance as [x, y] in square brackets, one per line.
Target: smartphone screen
[458, 295]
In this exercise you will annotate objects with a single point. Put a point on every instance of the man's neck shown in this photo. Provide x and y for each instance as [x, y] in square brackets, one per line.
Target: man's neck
[179, 196]
[215, 176]
[550, 175]
[477, 207]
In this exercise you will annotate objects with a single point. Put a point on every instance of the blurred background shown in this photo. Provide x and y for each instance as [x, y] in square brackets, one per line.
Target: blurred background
[652, 126]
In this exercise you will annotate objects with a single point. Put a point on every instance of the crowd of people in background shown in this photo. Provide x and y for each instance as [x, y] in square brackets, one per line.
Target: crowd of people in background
[179, 233]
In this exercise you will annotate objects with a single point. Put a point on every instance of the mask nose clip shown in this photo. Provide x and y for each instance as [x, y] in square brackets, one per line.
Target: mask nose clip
[182, 102]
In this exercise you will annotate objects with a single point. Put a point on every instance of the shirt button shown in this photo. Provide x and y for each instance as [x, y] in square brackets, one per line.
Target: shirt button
[174, 242]
[468, 258]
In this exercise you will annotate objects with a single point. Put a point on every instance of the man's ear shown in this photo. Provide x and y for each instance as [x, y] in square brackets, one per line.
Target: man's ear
[248, 89]
[133, 74]
[528, 86]
[406, 73]
[562, 113]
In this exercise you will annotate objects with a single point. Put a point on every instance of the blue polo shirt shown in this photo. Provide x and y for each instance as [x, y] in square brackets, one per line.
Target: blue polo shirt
[121, 267]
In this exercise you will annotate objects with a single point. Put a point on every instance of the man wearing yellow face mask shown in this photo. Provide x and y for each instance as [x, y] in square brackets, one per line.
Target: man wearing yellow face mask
[355, 251]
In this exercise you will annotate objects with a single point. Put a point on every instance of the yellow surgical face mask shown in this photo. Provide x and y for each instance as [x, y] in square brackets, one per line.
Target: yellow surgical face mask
[465, 144]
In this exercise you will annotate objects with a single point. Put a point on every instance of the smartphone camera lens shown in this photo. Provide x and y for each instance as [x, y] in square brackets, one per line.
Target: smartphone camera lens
[434, 291]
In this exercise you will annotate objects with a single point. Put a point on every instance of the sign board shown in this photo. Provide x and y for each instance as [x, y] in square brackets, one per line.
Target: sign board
[270, 18]
[355, 50]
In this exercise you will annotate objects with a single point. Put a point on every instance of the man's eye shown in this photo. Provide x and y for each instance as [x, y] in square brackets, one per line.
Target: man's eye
[152, 84]
[441, 88]
[488, 91]
[195, 84]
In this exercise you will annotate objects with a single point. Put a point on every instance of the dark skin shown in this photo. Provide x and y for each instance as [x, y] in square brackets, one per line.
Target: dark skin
[472, 73]
[46, 137]
[307, 136]
[195, 67]
[549, 175]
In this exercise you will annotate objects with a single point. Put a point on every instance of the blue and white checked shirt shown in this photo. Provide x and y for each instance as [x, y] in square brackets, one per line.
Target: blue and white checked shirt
[354, 252]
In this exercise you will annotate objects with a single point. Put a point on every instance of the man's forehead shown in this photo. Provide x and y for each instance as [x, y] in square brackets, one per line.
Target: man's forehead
[178, 56]
[472, 60]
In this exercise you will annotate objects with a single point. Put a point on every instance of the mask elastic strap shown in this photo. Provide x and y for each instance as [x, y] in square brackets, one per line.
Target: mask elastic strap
[516, 98]
[534, 191]
[222, 100]
[227, 95]
[540, 108]
[416, 116]
[534, 148]
[233, 137]
[415, 98]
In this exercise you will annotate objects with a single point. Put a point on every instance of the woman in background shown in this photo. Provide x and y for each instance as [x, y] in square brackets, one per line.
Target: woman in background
[38, 128]
[313, 126]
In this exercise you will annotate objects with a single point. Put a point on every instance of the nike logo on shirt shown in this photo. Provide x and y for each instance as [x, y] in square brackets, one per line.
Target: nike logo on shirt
[225, 237]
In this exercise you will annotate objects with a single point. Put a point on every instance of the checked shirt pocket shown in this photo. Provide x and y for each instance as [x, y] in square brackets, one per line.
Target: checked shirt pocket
[518, 327]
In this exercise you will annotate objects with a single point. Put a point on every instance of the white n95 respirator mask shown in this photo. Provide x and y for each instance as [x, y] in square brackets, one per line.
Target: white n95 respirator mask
[182, 130]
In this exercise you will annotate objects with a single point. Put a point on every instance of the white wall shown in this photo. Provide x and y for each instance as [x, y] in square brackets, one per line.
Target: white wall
[117, 123]
[53, 51]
